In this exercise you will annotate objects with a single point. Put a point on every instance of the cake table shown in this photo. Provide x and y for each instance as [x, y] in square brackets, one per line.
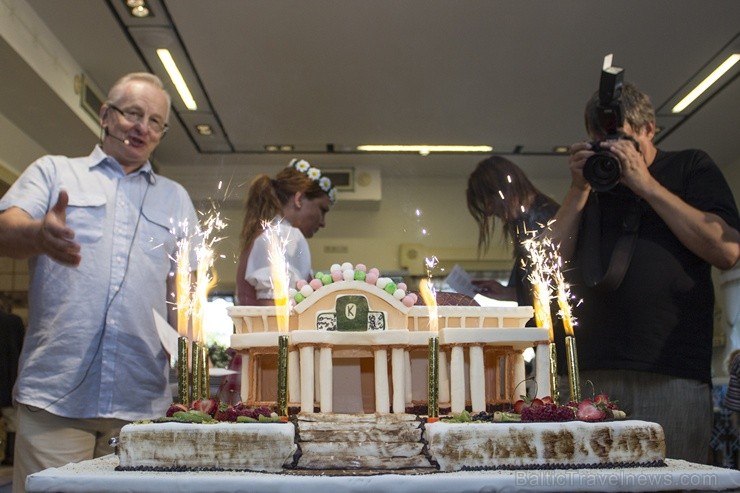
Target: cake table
[99, 475]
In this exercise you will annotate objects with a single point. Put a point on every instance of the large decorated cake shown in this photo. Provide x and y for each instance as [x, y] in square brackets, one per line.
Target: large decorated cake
[358, 393]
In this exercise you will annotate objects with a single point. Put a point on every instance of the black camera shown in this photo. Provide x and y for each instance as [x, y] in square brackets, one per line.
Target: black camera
[603, 170]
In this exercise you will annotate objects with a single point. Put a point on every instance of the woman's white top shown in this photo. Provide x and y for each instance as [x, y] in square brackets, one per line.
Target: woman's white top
[291, 243]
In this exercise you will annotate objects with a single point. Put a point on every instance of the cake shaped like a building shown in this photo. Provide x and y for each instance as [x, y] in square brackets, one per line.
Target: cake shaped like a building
[357, 380]
[481, 349]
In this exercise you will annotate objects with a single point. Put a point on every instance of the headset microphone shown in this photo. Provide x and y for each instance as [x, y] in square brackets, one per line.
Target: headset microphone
[107, 133]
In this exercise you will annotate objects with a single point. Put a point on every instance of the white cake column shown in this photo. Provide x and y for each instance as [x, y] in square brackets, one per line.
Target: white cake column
[444, 379]
[382, 402]
[326, 377]
[457, 379]
[542, 369]
[398, 370]
[244, 387]
[477, 379]
[307, 378]
[519, 374]
[408, 381]
[316, 373]
[294, 378]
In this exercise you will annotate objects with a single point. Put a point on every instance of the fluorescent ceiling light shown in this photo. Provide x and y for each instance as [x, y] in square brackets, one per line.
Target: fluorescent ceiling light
[177, 79]
[704, 85]
[423, 149]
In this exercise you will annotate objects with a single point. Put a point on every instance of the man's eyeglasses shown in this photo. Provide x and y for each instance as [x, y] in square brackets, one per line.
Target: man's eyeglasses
[137, 117]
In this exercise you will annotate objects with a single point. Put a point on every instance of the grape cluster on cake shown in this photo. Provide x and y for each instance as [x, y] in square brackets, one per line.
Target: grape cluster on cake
[211, 410]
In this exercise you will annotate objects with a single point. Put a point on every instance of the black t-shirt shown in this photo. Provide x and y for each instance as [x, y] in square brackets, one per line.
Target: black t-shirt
[660, 319]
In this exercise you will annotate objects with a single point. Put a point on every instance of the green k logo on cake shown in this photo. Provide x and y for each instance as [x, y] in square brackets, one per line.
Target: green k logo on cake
[352, 314]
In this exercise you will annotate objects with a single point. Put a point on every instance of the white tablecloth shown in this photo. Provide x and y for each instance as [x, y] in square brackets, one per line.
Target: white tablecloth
[99, 475]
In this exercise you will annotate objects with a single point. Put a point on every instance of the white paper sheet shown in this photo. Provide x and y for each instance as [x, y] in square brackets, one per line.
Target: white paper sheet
[461, 281]
[167, 334]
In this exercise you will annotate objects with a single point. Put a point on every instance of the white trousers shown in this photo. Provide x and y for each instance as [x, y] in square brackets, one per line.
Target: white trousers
[46, 440]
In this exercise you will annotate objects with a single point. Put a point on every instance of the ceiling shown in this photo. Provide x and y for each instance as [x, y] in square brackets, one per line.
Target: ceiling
[327, 75]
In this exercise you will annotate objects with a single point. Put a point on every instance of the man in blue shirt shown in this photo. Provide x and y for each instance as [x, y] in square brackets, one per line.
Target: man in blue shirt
[100, 233]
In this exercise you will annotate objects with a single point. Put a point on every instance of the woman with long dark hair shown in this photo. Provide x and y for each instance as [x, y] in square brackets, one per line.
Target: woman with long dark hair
[499, 190]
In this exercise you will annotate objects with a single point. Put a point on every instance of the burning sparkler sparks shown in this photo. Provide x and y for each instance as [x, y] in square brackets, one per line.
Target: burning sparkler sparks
[547, 268]
[280, 277]
[541, 260]
[429, 293]
[191, 302]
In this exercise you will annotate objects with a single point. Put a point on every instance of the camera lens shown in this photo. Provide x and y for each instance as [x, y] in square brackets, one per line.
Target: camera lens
[602, 170]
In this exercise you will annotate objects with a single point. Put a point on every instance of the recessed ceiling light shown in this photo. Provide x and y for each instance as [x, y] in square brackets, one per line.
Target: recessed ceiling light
[138, 8]
[140, 12]
[204, 129]
[279, 148]
[424, 150]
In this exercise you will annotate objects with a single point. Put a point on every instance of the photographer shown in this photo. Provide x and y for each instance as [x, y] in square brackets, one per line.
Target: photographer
[645, 327]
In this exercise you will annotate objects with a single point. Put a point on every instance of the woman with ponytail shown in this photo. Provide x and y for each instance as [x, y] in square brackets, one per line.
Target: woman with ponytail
[296, 201]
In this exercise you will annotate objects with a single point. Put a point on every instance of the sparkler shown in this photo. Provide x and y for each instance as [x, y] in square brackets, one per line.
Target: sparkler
[280, 278]
[191, 304]
[182, 304]
[571, 354]
[205, 280]
[428, 294]
[541, 257]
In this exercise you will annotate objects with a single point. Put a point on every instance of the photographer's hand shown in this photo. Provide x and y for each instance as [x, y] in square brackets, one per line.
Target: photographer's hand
[579, 153]
[635, 174]
[564, 229]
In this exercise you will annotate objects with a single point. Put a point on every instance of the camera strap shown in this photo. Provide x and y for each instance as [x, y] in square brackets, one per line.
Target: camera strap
[591, 265]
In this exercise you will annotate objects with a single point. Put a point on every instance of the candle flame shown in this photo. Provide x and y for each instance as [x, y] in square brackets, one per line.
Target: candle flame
[564, 297]
[539, 276]
[205, 276]
[429, 294]
[190, 301]
[182, 285]
[430, 300]
[277, 246]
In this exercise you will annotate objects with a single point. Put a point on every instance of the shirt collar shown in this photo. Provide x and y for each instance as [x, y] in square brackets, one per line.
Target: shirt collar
[98, 157]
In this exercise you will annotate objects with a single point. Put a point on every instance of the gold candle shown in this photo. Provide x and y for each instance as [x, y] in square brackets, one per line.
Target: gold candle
[571, 355]
[433, 378]
[573, 377]
[196, 367]
[282, 395]
[183, 376]
[554, 391]
[205, 373]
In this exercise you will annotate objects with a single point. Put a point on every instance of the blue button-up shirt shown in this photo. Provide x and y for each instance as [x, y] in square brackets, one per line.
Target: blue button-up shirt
[91, 348]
